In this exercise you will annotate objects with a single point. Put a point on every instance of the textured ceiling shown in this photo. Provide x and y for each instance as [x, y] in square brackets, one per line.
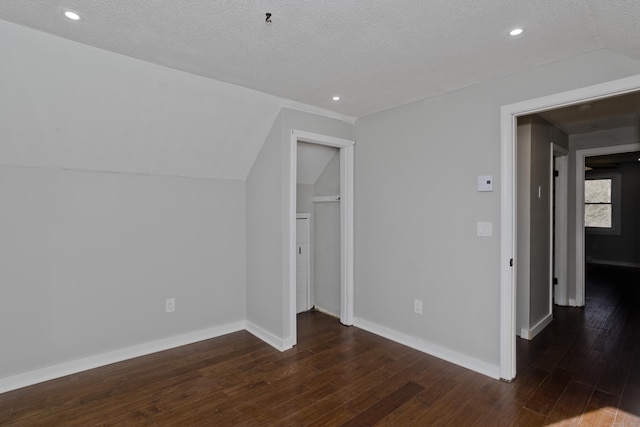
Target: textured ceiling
[609, 113]
[375, 54]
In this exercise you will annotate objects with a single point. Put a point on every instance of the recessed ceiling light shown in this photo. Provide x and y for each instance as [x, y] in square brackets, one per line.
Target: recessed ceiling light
[336, 98]
[516, 31]
[72, 15]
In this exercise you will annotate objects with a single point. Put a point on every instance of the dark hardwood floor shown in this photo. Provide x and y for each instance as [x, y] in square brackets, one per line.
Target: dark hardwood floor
[584, 369]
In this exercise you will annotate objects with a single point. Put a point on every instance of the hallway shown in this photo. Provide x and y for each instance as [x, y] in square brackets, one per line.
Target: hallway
[589, 358]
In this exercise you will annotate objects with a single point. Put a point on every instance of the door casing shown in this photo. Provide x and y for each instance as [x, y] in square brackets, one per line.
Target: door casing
[508, 256]
[346, 148]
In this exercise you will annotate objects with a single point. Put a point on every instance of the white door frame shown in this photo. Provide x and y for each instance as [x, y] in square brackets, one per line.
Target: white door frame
[306, 216]
[508, 118]
[346, 148]
[580, 249]
[559, 263]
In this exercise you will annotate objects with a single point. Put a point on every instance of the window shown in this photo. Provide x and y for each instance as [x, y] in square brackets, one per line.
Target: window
[602, 203]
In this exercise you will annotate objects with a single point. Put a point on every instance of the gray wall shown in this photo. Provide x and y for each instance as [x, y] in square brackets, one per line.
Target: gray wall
[327, 240]
[264, 234]
[540, 221]
[304, 198]
[533, 223]
[88, 259]
[417, 206]
[267, 234]
[523, 223]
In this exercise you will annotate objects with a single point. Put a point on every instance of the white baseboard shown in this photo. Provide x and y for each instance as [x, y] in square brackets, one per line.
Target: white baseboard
[67, 368]
[465, 361]
[614, 263]
[529, 334]
[325, 311]
[266, 336]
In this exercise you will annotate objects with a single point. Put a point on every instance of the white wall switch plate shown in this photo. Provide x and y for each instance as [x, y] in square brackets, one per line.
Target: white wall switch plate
[170, 305]
[485, 229]
[417, 306]
[485, 183]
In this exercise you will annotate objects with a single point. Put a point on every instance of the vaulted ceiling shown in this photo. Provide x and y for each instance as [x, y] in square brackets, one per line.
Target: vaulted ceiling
[374, 54]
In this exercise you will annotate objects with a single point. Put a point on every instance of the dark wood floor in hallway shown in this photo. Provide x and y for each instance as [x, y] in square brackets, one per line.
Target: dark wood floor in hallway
[584, 369]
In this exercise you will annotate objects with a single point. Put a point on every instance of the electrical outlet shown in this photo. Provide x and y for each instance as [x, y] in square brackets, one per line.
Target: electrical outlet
[170, 305]
[417, 306]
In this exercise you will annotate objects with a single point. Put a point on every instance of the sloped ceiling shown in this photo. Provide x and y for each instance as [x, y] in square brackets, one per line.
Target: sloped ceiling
[374, 54]
[65, 105]
[312, 159]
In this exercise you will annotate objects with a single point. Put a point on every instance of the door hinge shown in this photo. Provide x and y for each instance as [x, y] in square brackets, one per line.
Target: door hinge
[511, 262]
[555, 280]
[556, 174]
[300, 250]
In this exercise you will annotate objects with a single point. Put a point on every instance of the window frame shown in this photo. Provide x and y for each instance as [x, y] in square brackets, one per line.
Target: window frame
[616, 201]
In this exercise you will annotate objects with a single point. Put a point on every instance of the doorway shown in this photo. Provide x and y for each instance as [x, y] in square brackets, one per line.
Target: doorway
[508, 268]
[346, 153]
[580, 259]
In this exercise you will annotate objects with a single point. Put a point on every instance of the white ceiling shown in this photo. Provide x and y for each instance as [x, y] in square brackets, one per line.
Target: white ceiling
[375, 54]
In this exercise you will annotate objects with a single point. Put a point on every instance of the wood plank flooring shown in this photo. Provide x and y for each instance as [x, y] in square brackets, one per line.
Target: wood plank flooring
[583, 370]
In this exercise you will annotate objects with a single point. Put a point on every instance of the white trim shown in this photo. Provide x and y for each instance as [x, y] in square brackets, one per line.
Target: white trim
[307, 216]
[325, 311]
[508, 116]
[299, 106]
[529, 334]
[443, 353]
[579, 220]
[267, 337]
[628, 264]
[562, 224]
[67, 368]
[551, 220]
[346, 229]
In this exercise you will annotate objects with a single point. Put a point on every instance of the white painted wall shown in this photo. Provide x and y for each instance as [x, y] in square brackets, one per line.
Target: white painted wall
[417, 208]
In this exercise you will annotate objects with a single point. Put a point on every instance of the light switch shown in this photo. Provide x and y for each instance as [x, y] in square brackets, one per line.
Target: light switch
[485, 229]
[485, 183]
